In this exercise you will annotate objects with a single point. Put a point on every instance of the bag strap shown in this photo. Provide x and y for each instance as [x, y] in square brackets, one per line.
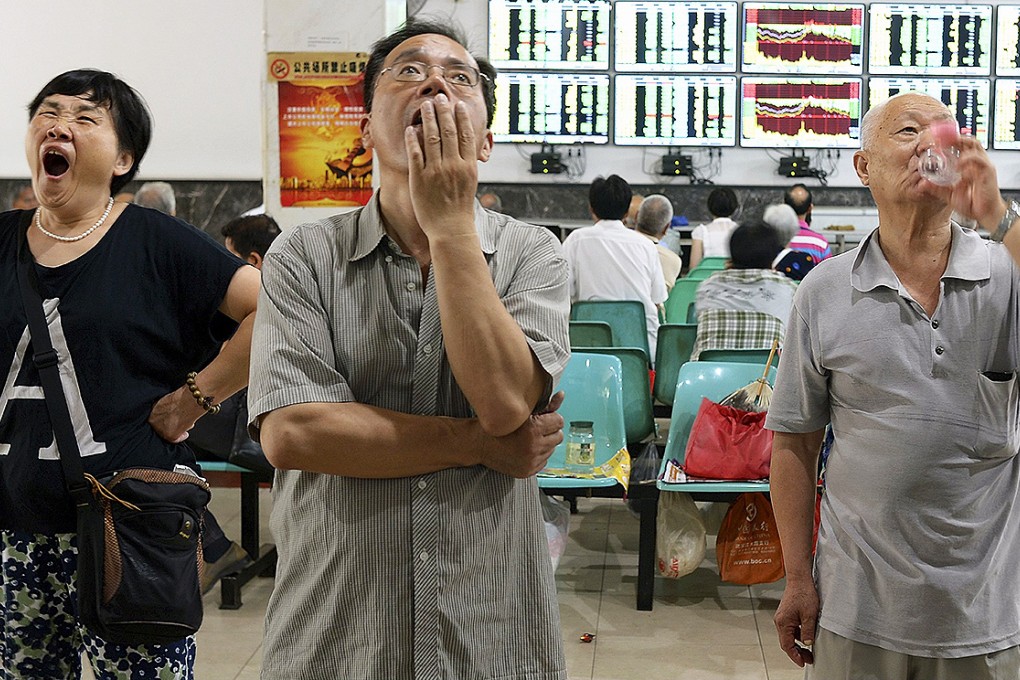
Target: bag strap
[46, 361]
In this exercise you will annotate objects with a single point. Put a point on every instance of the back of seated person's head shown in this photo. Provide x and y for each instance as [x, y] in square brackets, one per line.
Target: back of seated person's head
[158, 196]
[783, 218]
[799, 198]
[609, 197]
[754, 245]
[654, 215]
[722, 202]
[250, 236]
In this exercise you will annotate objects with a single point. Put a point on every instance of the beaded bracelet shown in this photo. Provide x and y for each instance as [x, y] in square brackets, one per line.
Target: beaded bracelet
[204, 402]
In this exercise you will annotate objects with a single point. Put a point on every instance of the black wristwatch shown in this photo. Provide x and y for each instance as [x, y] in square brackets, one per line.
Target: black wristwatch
[1011, 216]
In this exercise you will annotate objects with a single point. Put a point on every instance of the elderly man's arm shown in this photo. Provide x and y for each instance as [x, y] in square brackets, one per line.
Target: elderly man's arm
[977, 195]
[792, 482]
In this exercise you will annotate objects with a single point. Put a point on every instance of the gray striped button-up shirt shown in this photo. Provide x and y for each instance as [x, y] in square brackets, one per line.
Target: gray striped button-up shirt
[445, 575]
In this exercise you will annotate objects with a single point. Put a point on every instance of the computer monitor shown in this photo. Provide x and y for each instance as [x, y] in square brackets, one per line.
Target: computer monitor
[821, 113]
[1007, 43]
[803, 38]
[916, 39]
[663, 110]
[968, 98]
[661, 36]
[1007, 115]
[554, 108]
[537, 34]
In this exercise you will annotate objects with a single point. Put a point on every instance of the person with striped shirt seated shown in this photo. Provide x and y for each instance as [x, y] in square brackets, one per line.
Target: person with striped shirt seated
[806, 240]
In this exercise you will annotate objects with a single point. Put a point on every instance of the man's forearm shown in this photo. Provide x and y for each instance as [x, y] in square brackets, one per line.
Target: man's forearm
[488, 352]
[357, 440]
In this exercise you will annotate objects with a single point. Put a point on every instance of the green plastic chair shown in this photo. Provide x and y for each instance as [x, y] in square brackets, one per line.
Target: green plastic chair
[711, 264]
[714, 380]
[673, 350]
[593, 390]
[638, 416]
[680, 298]
[699, 274]
[740, 356]
[591, 334]
[627, 317]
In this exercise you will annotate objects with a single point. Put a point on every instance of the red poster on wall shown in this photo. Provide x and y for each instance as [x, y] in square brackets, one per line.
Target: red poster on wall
[321, 103]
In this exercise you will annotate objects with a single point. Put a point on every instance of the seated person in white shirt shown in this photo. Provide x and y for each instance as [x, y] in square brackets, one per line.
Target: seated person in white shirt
[712, 239]
[608, 261]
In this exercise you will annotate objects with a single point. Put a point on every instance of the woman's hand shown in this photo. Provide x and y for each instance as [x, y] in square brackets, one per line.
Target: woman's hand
[176, 413]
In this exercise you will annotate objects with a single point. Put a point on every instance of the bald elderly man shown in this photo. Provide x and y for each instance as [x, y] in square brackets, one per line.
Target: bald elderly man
[909, 346]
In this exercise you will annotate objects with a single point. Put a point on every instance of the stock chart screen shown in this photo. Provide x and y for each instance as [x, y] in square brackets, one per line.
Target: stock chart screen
[968, 98]
[537, 34]
[1007, 43]
[914, 39]
[676, 36]
[821, 39]
[800, 112]
[551, 107]
[664, 110]
[1007, 115]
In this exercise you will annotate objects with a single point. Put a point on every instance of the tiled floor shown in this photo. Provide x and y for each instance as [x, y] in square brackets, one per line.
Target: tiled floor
[700, 628]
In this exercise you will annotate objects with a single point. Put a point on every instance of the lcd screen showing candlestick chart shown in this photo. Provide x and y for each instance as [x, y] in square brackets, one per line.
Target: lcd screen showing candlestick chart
[803, 38]
[800, 112]
[675, 36]
[947, 40]
[551, 107]
[538, 34]
[1007, 44]
[662, 110]
[968, 98]
[1007, 115]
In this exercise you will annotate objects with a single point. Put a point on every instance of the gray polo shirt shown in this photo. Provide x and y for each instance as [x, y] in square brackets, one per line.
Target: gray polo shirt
[445, 575]
[919, 544]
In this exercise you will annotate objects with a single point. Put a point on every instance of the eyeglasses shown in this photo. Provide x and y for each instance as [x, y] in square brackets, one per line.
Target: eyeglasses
[461, 75]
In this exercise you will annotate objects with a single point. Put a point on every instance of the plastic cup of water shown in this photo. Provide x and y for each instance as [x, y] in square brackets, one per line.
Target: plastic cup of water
[938, 164]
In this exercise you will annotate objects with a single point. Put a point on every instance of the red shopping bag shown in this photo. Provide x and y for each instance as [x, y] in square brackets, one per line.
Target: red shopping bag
[728, 443]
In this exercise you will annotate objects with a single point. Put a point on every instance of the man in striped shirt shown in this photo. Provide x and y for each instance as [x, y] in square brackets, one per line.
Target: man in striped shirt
[807, 239]
[403, 387]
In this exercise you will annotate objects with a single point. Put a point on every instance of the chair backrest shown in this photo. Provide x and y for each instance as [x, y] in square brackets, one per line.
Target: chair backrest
[699, 274]
[680, 298]
[737, 356]
[713, 380]
[638, 417]
[673, 350]
[591, 334]
[593, 390]
[711, 264]
[627, 317]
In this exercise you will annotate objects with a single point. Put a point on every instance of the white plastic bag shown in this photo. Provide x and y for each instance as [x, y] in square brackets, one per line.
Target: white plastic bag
[680, 535]
[556, 515]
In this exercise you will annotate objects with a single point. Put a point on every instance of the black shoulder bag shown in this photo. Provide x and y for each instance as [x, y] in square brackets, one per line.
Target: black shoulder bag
[139, 529]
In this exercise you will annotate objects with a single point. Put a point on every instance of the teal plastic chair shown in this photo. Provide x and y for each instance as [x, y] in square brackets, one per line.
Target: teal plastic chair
[711, 264]
[673, 350]
[680, 298]
[758, 357]
[591, 334]
[638, 417]
[714, 380]
[699, 274]
[593, 390]
[627, 317]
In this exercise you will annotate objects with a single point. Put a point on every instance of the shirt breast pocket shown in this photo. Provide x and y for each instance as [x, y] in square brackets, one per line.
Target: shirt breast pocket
[996, 415]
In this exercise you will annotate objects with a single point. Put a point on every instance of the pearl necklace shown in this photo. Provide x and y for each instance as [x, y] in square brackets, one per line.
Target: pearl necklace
[71, 239]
